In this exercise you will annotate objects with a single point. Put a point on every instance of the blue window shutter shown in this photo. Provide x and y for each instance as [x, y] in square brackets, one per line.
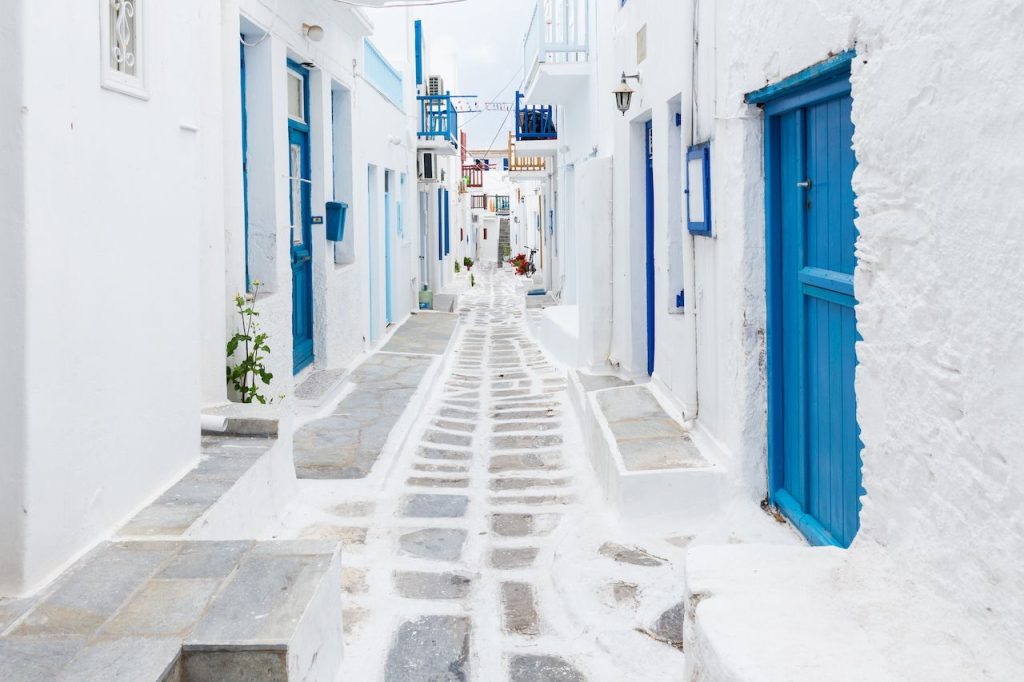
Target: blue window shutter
[418, 31]
[696, 224]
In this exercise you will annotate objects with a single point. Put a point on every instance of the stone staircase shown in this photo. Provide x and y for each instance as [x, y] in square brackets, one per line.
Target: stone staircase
[163, 603]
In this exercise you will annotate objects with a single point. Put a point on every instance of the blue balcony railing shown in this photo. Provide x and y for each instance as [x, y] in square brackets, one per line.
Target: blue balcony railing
[558, 33]
[534, 122]
[438, 118]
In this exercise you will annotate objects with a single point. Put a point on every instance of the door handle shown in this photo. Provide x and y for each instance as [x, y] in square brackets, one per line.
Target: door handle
[301, 260]
[806, 184]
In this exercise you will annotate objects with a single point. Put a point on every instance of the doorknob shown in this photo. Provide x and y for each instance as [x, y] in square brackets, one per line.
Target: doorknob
[806, 184]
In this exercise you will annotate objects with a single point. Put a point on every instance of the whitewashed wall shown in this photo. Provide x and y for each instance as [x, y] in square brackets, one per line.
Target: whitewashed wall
[101, 226]
[939, 380]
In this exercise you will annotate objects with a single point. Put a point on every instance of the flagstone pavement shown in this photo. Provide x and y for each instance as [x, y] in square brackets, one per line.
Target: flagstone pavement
[487, 553]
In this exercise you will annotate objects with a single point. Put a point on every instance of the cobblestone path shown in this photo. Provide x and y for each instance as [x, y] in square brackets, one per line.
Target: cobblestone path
[488, 555]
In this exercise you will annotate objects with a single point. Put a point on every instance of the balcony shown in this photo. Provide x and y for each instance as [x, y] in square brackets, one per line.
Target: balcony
[439, 124]
[502, 205]
[524, 166]
[536, 132]
[556, 50]
[473, 175]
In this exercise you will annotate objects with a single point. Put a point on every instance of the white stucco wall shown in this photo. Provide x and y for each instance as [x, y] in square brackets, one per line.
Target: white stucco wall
[13, 301]
[107, 394]
[939, 379]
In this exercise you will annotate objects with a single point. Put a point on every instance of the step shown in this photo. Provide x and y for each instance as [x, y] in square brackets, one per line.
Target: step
[644, 457]
[279, 618]
[184, 611]
[770, 613]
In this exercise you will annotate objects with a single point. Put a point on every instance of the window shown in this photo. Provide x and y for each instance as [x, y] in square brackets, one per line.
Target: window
[296, 96]
[485, 234]
[698, 189]
[478, 201]
[122, 39]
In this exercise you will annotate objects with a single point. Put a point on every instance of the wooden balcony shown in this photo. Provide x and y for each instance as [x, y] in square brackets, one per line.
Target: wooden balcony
[523, 164]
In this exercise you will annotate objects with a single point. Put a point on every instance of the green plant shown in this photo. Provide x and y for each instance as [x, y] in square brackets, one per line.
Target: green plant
[247, 375]
[468, 262]
[457, 268]
[472, 280]
[506, 251]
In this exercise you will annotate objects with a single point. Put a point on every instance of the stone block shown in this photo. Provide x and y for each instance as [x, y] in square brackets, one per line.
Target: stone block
[434, 648]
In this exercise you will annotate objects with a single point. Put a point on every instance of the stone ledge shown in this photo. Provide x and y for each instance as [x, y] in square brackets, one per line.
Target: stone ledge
[184, 611]
[645, 459]
[242, 419]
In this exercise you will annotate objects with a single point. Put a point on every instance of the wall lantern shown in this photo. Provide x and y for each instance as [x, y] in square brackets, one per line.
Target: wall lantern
[314, 32]
[624, 94]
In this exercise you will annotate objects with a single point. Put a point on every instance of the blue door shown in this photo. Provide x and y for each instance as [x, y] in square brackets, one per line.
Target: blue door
[300, 213]
[649, 241]
[814, 440]
[387, 247]
[373, 291]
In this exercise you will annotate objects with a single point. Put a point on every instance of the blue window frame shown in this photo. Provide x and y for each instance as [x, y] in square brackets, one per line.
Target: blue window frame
[698, 189]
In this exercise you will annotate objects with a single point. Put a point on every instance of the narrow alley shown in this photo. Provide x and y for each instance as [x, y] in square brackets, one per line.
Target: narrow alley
[490, 555]
[511, 341]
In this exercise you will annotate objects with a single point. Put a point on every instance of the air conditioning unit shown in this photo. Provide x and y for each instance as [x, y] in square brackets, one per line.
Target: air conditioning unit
[435, 85]
[427, 169]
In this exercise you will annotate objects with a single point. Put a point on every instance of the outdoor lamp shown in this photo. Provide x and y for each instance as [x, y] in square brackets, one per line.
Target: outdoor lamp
[624, 94]
[314, 32]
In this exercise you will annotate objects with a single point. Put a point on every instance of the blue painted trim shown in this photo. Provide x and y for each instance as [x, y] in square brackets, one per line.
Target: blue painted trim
[440, 224]
[649, 242]
[837, 282]
[381, 74]
[245, 162]
[804, 522]
[418, 32]
[447, 224]
[700, 151]
[822, 71]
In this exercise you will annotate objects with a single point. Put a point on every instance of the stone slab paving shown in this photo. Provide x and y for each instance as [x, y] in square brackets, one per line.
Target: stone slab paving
[347, 444]
[487, 511]
[423, 333]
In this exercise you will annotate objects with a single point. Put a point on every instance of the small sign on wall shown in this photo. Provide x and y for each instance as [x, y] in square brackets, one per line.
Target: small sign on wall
[318, 220]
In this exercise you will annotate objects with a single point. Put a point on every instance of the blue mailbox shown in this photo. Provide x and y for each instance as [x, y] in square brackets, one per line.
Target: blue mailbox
[336, 212]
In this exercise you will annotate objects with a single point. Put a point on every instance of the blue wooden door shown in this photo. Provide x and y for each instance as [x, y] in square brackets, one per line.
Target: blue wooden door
[299, 181]
[649, 240]
[815, 445]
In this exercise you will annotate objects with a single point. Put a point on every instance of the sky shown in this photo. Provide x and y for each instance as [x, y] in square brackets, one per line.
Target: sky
[477, 46]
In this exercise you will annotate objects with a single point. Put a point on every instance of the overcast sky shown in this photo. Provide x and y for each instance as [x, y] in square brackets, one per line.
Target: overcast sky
[477, 46]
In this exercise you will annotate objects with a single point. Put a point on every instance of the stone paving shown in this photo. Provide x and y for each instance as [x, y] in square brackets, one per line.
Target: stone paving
[348, 443]
[488, 555]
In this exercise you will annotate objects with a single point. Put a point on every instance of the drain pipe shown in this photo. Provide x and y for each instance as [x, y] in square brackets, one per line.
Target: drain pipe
[689, 393]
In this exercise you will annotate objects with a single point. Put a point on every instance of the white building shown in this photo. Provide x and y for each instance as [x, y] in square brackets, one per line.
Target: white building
[778, 158]
[211, 162]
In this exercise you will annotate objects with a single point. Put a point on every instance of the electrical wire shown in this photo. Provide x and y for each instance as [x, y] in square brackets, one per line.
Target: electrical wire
[389, 5]
[495, 98]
